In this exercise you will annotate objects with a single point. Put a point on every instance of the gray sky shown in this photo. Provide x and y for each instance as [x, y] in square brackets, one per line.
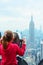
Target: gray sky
[16, 14]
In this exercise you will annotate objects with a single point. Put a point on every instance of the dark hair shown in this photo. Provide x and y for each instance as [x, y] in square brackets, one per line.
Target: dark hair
[17, 40]
[7, 37]
[16, 37]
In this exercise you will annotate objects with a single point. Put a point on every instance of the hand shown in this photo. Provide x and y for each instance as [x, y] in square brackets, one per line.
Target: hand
[24, 41]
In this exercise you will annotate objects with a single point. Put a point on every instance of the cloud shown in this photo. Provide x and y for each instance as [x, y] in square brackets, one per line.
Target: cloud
[20, 16]
[12, 23]
[5, 1]
[18, 12]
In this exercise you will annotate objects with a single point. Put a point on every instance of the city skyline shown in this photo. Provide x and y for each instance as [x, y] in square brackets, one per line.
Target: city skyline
[16, 14]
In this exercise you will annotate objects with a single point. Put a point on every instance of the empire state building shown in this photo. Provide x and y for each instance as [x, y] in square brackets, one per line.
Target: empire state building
[31, 31]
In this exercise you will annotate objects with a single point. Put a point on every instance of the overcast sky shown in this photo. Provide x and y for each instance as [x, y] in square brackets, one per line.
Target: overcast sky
[16, 14]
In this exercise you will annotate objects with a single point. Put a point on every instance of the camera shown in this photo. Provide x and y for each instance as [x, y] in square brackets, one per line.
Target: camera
[21, 40]
[20, 43]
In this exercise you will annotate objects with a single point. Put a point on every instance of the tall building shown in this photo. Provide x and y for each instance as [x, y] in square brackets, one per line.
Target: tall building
[31, 31]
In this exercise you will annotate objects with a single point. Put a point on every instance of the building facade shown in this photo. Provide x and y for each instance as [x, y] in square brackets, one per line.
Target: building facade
[31, 31]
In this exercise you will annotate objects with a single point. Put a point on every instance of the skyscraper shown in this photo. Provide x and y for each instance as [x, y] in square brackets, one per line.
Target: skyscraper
[31, 31]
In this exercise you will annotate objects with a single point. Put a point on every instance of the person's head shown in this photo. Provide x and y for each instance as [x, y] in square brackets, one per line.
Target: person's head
[15, 37]
[7, 37]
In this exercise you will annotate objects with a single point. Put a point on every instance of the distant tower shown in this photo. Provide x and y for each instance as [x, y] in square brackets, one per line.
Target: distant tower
[31, 31]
